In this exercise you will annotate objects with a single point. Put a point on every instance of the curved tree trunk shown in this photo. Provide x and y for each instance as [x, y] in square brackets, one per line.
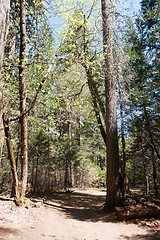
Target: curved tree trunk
[11, 158]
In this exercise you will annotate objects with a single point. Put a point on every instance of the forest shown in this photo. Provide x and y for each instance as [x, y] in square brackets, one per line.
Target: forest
[79, 98]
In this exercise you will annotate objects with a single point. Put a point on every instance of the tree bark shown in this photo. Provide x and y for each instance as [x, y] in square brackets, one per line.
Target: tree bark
[113, 187]
[23, 118]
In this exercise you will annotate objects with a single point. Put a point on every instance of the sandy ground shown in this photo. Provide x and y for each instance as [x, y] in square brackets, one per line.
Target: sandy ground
[73, 216]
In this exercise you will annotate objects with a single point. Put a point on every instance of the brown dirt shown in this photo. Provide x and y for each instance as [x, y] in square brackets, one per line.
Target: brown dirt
[72, 216]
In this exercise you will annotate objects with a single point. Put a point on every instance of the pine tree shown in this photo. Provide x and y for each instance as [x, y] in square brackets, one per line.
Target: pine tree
[144, 55]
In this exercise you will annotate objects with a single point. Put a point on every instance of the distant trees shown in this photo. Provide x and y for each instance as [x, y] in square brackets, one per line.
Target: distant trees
[144, 89]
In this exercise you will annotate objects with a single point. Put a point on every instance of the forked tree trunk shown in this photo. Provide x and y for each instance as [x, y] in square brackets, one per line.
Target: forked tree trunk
[113, 187]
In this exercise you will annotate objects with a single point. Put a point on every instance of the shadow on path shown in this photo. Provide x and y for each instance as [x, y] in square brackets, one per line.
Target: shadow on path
[151, 235]
[5, 231]
[88, 207]
[80, 206]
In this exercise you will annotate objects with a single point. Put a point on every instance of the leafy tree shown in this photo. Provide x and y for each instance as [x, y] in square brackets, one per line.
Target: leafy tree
[20, 187]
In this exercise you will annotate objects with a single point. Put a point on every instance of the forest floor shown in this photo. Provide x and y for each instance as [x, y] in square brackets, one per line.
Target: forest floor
[71, 216]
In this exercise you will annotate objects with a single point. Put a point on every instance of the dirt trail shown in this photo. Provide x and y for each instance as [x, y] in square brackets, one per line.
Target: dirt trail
[73, 216]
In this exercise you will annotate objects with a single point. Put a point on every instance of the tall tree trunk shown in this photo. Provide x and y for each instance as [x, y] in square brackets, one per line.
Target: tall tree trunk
[23, 118]
[113, 187]
[4, 24]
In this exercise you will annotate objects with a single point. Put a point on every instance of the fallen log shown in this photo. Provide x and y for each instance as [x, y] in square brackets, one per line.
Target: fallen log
[137, 212]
